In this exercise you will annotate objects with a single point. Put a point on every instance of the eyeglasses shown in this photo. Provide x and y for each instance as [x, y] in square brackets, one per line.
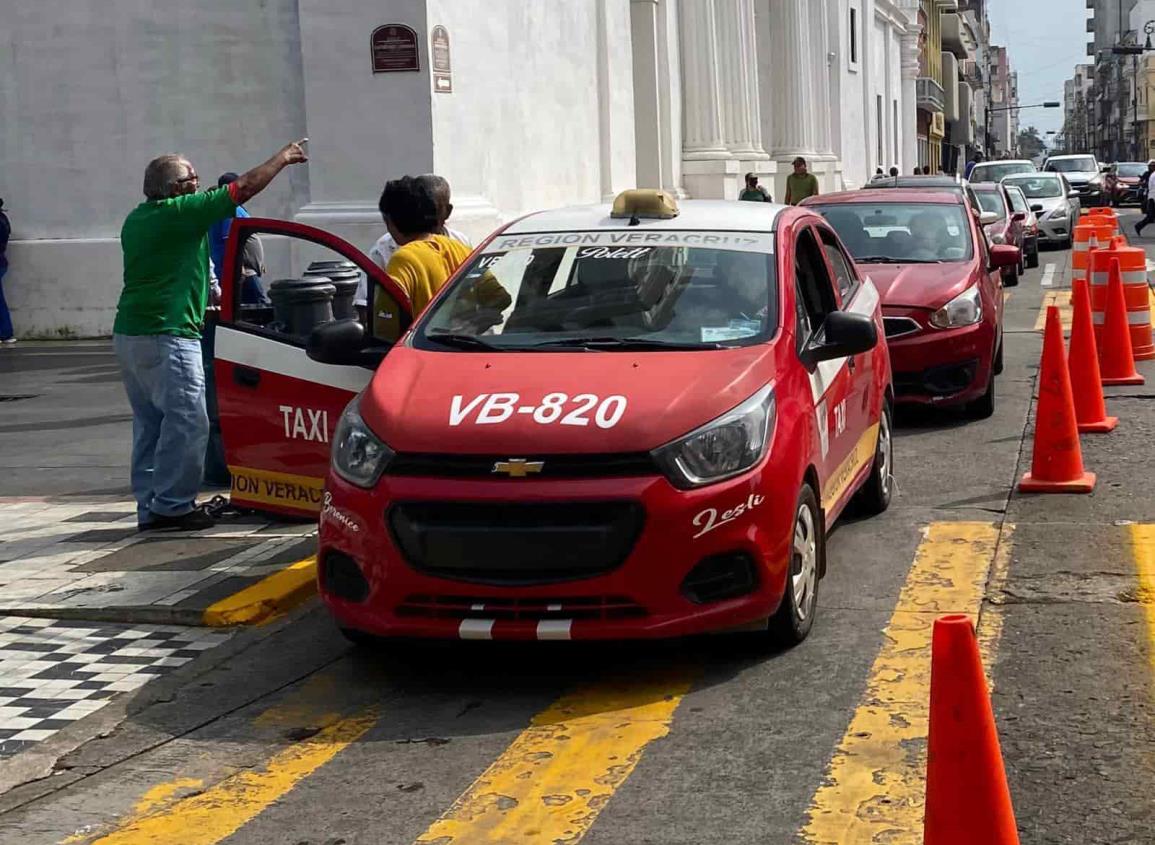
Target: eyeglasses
[192, 177]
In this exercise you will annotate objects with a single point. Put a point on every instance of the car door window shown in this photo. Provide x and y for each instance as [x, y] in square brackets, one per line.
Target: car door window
[814, 289]
[845, 277]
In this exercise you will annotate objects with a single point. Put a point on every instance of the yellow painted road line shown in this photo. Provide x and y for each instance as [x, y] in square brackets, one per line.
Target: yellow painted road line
[266, 599]
[874, 788]
[1143, 549]
[1061, 298]
[208, 817]
[560, 773]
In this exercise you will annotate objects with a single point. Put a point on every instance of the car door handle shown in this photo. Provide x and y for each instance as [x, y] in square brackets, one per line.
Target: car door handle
[246, 376]
[852, 363]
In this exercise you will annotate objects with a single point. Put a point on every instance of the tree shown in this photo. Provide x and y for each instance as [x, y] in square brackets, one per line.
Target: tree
[1031, 145]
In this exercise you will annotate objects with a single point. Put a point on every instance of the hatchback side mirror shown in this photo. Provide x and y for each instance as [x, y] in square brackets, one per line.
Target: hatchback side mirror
[1005, 255]
[989, 217]
[1072, 195]
[1036, 208]
[843, 335]
[342, 343]
[1020, 216]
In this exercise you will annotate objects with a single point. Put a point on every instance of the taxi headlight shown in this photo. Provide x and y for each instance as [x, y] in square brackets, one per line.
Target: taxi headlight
[721, 449]
[359, 456]
[966, 309]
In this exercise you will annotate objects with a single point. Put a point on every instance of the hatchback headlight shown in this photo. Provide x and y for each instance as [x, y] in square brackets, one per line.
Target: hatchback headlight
[966, 309]
[721, 449]
[359, 455]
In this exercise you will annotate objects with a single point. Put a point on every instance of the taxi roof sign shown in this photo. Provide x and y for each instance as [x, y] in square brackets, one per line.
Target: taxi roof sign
[639, 203]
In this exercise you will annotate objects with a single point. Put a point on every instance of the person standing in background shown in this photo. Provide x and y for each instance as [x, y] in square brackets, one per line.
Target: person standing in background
[7, 333]
[252, 260]
[1147, 195]
[753, 191]
[800, 184]
[157, 332]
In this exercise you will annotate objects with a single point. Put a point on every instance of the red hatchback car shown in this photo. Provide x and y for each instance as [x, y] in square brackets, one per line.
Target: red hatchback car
[941, 287]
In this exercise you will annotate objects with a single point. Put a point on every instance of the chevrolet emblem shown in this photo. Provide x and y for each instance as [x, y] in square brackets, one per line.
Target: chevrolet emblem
[518, 467]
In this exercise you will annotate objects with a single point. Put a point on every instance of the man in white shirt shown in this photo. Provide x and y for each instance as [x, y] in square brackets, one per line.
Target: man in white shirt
[383, 250]
[1148, 200]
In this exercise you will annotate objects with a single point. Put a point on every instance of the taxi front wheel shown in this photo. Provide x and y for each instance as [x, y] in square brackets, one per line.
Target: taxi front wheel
[874, 497]
[795, 615]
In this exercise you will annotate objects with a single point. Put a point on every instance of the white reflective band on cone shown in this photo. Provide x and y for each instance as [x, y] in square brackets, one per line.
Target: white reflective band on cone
[1134, 318]
[1130, 277]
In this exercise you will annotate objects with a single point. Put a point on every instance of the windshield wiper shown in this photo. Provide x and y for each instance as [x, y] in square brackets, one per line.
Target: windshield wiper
[883, 259]
[463, 341]
[623, 344]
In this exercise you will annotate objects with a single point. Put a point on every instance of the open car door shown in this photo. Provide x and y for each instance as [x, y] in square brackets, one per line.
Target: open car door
[278, 407]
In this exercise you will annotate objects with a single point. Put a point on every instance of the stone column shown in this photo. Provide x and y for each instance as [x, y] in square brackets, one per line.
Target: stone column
[820, 77]
[908, 101]
[738, 79]
[792, 91]
[702, 113]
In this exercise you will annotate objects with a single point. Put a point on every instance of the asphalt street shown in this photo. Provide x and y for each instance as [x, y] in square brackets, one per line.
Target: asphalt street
[288, 735]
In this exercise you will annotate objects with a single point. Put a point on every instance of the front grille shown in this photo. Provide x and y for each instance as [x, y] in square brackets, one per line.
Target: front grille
[620, 465]
[899, 326]
[936, 381]
[519, 543]
[520, 610]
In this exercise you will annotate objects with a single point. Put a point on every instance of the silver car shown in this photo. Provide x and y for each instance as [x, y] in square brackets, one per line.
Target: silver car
[1054, 203]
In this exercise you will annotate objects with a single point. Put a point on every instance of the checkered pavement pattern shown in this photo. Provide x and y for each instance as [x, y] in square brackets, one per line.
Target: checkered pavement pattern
[54, 672]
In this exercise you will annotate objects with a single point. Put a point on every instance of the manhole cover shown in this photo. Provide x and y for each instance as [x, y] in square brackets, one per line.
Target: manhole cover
[10, 398]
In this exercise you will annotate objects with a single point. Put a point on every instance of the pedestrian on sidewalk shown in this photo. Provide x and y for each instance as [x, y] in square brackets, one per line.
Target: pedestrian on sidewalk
[800, 184]
[753, 191]
[383, 250]
[158, 326]
[7, 333]
[1147, 196]
[977, 158]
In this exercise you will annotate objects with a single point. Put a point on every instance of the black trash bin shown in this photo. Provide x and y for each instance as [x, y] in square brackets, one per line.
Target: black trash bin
[346, 278]
[300, 305]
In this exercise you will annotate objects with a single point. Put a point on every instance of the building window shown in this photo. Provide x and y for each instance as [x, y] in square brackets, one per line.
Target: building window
[853, 52]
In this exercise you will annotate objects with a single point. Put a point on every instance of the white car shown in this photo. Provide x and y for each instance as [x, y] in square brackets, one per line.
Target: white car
[995, 171]
[1054, 203]
[1083, 173]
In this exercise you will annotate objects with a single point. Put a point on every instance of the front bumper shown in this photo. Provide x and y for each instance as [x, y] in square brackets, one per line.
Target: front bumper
[1055, 231]
[940, 366]
[684, 541]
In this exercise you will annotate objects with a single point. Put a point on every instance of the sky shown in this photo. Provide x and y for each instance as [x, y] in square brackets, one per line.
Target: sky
[1046, 39]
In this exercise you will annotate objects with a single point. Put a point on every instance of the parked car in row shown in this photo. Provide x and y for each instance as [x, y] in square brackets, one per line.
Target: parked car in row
[1001, 224]
[941, 184]
[1127, 182]
[1084, 175]
[1055, 205]
[1030, 225]
[941, 286]
[994, 171]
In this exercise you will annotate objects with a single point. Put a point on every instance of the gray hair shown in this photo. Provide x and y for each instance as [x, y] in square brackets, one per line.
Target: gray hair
[162, 175]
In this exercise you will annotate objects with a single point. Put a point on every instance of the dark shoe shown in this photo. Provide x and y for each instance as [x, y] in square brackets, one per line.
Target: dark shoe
[1138, 231]
[195, 520]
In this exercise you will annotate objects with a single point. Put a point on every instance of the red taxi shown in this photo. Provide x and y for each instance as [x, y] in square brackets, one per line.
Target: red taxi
[941, 288]
[648, 434]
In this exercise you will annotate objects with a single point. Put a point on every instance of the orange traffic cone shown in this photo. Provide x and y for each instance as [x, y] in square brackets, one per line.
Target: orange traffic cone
[967, 798]
[1116, 360]
[1057, 460]
[1083, 365]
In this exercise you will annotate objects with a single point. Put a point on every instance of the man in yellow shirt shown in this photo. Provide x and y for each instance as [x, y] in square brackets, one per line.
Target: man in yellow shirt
[424, 260]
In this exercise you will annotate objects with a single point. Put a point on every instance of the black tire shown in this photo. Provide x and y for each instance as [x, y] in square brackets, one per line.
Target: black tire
[998, 365]
[874, 497]
[1011, 279]
[1033, 258]
[1068, 243]
[792, 622]
[983, 407]
[360, 639]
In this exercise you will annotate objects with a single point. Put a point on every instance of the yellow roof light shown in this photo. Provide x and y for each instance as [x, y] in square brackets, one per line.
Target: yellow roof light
[644, 203]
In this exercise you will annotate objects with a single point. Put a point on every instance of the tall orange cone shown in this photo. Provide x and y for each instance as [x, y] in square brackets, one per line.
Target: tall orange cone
[1083, 365]
[967, 798]
[1057, 460]
[1116, 360]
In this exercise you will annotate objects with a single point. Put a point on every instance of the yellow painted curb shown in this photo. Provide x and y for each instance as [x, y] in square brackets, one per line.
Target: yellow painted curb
[269, 597]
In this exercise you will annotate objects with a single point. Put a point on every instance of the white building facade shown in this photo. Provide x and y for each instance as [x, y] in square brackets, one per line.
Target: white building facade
[521, 106]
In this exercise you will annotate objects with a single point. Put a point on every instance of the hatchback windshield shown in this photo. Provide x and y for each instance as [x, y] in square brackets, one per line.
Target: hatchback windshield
[995, 171]
[610, 291]
[992, 201]
[1131, 169]
[1038, 187]
[901, 233]
[1082, 164]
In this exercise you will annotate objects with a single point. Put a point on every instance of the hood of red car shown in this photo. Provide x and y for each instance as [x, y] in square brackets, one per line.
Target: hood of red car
[484, 403]
[920, 285]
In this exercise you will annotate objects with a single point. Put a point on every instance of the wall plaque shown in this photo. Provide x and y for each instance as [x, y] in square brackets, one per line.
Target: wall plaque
[395, 48]
[442, 66]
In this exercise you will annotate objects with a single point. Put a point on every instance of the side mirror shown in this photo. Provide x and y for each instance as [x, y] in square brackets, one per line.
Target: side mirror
[1036, 208]
[1105, 168]
[1072, 195]
[342, 342]
[844, 335]
[1020, 217]
[1005, 255]
[989, 217]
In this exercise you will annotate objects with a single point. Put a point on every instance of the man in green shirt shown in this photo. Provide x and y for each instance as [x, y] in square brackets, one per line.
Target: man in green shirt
[754, 192]
[800, 184]
[158, 327]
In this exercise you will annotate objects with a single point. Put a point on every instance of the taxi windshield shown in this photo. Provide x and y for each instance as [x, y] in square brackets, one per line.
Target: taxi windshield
[605, 291]
[901, 233]
[1038, 187]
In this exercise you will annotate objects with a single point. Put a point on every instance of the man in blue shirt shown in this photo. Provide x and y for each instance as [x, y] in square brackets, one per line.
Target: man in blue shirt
[252, 291]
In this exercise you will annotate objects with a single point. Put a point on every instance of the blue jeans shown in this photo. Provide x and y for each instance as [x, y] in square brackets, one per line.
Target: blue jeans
[165, 380]
[6, 330]
[216, 470]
